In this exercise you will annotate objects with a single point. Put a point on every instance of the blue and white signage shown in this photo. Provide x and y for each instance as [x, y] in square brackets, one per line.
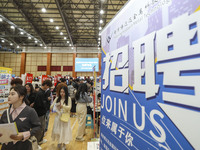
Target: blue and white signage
[150, 95]
[86, 64]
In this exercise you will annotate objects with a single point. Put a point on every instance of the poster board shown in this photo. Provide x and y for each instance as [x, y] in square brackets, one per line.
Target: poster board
[44, 77]
[29, 78]
[93, 145]
[5, 79]
[55, 80]
[150, 95]
[23, 77]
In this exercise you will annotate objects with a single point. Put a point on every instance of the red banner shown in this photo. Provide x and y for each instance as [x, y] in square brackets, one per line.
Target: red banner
[55, 80]
[44, 77]
[29, 78]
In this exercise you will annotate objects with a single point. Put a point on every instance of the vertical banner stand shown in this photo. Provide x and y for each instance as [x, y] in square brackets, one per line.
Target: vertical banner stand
[94, 101]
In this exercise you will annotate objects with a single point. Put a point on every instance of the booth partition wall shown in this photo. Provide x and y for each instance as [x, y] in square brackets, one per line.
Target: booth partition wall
[36, 63]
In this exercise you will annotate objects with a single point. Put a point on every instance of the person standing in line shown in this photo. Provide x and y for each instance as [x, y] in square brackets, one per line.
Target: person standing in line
[30, 94]
[40, 108]
[72, 92]
[16, 81]
[62, 132]
[25, 117]
[49, 97]
[70, 81]
[37, 88]
[76, 84]
[82, 99]
[58, 88]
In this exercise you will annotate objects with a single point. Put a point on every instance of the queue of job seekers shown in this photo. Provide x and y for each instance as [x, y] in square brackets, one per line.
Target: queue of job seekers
[29, 109]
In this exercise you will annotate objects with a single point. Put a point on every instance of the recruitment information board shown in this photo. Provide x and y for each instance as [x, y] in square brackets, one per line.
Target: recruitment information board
[5, 79]
[150, 97]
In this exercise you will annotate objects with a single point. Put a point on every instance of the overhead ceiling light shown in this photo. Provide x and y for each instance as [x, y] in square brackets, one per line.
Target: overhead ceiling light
[101, 21]
[1, 19]
[35, 41]
[99, 34]
[65, 38]
[17, 46]
[40, 44]
[29, 37]
[44, 10]
[12, 27]
[51, 20]
[100, 28]
[67, 41]
[45, 47]
[99, 39]
[72, 47]
[61, 33]
[57, 27]
[101, 11]
[21, 33]
[2, 41]
[11, 44]
[70, 44]
[98, 48]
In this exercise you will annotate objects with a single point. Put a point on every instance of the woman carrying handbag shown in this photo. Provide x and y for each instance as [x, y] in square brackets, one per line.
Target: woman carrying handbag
[62, 132]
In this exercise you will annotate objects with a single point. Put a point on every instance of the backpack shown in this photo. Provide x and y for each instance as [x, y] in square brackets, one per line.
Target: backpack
[72, 91]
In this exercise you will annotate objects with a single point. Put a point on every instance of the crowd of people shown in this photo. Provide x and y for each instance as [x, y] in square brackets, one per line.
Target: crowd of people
[30, 108]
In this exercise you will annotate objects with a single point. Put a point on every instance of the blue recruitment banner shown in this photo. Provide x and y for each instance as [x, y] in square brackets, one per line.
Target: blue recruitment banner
[150, 94]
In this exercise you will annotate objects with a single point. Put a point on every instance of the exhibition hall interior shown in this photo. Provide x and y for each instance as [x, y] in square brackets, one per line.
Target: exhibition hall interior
[99, 74]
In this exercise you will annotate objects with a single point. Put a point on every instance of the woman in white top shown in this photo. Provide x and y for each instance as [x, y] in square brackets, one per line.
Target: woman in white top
[62, 130]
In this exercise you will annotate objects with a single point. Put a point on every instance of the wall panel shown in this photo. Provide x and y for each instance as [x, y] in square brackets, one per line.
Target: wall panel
[11, 60]
[33, 60]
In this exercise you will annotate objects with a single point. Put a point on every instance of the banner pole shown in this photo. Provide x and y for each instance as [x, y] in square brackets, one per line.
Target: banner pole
[94, 101]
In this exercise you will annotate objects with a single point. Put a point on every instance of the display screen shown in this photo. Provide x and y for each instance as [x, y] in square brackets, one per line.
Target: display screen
[86, 64]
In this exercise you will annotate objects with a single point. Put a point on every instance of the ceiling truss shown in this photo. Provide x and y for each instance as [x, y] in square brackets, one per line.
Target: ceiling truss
[78, 20]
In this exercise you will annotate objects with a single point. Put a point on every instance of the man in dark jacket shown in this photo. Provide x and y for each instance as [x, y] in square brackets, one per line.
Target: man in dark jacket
[41, 108]
[49, 98]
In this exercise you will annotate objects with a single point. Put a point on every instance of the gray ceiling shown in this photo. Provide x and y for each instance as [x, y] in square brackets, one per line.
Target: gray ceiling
[78, 20]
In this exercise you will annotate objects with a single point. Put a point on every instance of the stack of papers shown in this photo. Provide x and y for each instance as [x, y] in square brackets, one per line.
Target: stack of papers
[6, 130]
[93, 145]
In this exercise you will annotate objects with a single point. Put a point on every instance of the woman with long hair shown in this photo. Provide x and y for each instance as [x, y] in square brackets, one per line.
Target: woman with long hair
[82, 99]
[30, 94]
[25, 117]
[62, 132]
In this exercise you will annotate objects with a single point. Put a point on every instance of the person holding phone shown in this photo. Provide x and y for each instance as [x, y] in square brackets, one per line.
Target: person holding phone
[62, 132]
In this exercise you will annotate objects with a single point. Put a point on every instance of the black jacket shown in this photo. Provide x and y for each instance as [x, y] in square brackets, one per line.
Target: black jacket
[48, 102]
[40, 103]
[31, 98]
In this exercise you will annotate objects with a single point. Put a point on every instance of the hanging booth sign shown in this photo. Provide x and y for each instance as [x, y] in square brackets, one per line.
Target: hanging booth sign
[44, 77]
[29, 78]
[150, 95]
[23, 78]
[55, 80]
